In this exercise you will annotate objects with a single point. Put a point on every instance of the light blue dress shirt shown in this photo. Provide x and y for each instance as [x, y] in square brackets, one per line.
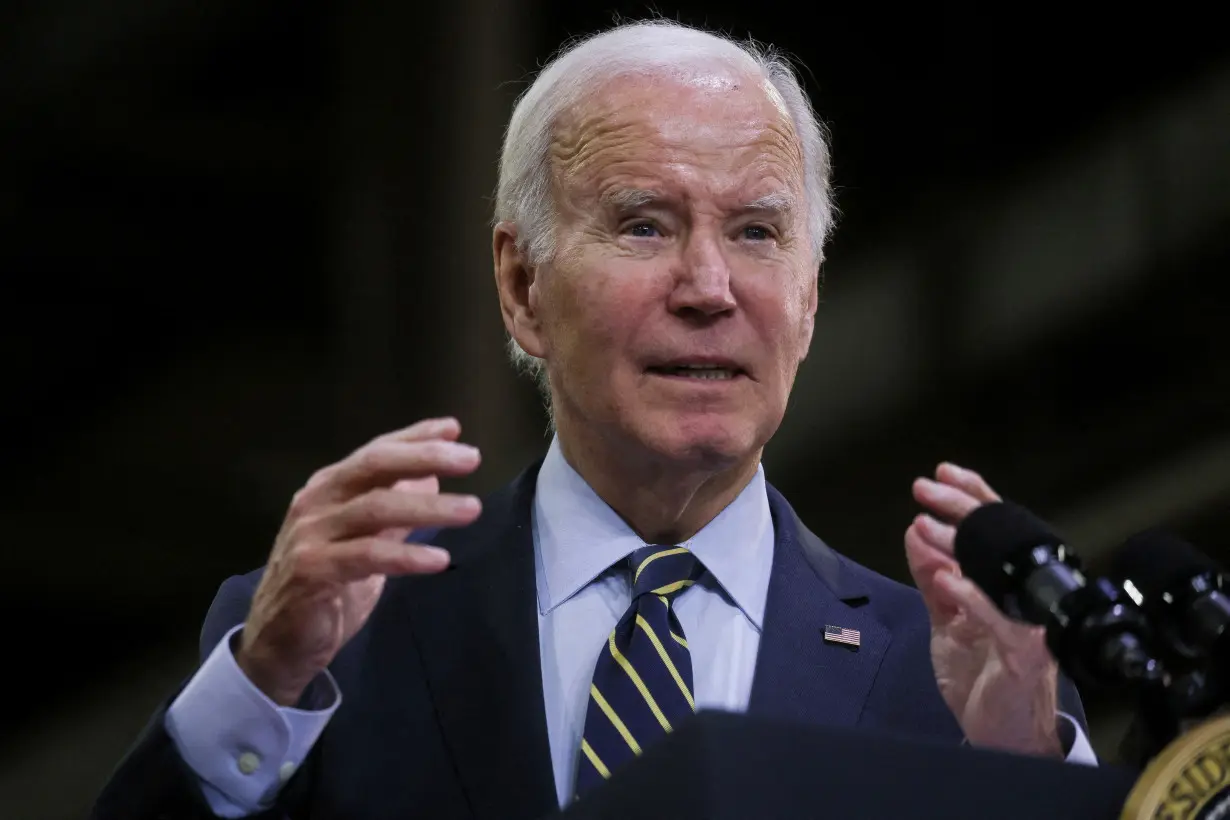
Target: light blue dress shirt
[244, 747]
[584, 588]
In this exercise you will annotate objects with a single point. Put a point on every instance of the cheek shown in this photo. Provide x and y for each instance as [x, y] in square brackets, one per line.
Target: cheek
[801, 317]
[780, 312]
[603, 306]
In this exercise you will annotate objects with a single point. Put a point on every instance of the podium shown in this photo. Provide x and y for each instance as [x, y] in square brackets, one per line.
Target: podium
[724, 766]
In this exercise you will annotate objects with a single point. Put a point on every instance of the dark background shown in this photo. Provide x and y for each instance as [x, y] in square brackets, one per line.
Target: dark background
[240, 239]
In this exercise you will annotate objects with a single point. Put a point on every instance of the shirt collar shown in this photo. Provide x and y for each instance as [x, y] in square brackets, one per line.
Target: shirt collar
[577, 537]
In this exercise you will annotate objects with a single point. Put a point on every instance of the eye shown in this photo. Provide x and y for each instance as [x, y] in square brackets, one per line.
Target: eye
[642, 230]
[757, 233]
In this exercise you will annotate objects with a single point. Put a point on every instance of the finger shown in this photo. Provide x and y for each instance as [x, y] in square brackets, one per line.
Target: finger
[965, 594]
[395, 534]
[967, 480]
[428, 485]
[381, 510]
[926, 565]
[938, 534]
[447, 428]
[384, 463]
[922, 551]
[361, 558]
[949, 503]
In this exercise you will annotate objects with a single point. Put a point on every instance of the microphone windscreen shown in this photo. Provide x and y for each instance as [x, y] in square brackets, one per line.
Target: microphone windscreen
[1157, 561]
[991, 535]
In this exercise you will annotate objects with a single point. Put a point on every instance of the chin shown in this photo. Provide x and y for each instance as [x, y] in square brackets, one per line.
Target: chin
[707, 442]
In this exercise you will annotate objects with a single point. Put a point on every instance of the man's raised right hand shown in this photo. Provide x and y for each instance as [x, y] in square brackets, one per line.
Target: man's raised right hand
[343, 535]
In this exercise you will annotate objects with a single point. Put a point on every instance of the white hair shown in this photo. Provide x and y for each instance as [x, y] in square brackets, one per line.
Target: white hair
[649, 47]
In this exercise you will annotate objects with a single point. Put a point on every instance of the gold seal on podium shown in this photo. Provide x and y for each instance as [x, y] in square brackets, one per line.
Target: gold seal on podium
[1189, 780]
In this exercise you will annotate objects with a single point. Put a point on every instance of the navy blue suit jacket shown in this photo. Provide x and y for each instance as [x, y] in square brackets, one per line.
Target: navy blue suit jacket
[443, 714]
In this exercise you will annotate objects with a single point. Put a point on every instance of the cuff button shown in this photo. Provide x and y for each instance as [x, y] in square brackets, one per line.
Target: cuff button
[248, 762]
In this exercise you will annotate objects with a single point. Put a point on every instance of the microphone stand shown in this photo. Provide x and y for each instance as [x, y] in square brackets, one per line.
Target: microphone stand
[1166, 708]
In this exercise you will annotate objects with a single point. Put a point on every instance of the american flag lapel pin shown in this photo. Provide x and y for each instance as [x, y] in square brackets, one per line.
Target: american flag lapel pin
[839, 634]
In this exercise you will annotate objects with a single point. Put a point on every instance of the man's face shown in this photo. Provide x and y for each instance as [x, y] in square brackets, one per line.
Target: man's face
[680, 301]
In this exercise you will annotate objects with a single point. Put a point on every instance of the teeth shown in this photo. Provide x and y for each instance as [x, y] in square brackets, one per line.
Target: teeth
[693, 371]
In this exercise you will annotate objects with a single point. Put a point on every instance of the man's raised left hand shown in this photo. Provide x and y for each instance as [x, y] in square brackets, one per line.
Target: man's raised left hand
[996, 674]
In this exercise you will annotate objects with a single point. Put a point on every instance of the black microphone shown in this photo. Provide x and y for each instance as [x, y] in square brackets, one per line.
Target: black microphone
[1094, 630]
[1183, 592]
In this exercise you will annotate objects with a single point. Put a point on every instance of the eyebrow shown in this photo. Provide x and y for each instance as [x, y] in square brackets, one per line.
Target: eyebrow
[778, 202]
[628, 199]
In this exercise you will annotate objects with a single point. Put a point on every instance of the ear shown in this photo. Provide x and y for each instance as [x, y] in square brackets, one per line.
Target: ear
[516, 282]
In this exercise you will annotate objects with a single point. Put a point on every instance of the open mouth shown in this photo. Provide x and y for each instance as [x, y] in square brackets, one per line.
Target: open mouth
[705, 372]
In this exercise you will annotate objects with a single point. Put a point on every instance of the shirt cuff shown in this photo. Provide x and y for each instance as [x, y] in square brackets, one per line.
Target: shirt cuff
[1080, 750]
[1077, 748]
[242, 745]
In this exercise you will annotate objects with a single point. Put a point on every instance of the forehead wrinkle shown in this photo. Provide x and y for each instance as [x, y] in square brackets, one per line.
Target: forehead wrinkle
[786, 141]
[575, 144]
[643, 146]
[654, 171]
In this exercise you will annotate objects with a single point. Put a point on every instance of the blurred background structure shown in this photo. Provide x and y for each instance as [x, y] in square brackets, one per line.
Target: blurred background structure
[243, 238]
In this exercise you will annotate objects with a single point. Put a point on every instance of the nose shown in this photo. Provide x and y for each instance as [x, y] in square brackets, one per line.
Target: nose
[702, 281]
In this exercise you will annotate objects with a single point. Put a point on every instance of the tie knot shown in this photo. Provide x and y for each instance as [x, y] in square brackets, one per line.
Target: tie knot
[662, 570]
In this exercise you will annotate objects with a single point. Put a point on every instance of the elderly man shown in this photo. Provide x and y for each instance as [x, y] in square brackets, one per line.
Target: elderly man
[662, 209]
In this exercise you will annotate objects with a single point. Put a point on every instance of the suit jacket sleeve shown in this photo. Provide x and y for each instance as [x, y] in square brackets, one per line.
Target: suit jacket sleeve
[1077, 744]
[1070, 702]
[153, 782]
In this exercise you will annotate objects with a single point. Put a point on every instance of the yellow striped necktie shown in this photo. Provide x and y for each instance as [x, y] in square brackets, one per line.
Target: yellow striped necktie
[642, 684]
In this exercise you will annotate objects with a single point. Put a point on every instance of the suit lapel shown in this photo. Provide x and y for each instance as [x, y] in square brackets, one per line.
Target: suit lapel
[799, 676]
[476, 627]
